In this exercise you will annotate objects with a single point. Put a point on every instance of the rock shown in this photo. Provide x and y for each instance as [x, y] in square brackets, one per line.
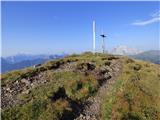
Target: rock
[87, 117]
[33, 85]
[26, 92]
[17, 82]
[81, 116]
[45, 81]
[107, 76]
[27, 82]
[8, 89]
[11, 91]
[36, 65]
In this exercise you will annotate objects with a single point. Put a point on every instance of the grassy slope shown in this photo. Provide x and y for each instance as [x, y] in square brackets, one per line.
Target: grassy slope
[136, 93]
[38, 105]
[134, 96]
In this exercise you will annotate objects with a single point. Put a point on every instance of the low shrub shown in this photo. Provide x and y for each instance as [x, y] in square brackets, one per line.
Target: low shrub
[112, 57]
[137, 67]
[131, 116]
[129, 60]
[107, 63]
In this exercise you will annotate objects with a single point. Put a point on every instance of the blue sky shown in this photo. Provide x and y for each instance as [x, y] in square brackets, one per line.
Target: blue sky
[56, 27]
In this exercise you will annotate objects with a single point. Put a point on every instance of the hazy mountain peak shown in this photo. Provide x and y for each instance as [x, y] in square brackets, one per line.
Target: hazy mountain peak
[125, 50]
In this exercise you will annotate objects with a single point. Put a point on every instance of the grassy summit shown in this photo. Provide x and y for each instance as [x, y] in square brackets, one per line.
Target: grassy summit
[59, 89]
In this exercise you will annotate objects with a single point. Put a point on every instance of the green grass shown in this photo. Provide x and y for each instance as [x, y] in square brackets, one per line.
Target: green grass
[38, 104]
[17, 75]
[38, 100]
[135, 95]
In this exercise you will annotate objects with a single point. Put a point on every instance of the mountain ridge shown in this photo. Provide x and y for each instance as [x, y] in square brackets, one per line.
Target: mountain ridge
[77, 86]
[151, 56]
[21, 61]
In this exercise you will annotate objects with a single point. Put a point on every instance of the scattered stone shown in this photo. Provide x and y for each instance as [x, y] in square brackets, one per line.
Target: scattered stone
[87, 117]
[27, 82]
[8, 89]
[17, 82]
[26, 92]
[107, 76]
[81, 115]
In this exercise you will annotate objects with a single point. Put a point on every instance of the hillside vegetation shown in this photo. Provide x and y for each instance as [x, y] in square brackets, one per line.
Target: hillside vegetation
[135, 95]
[61, 89]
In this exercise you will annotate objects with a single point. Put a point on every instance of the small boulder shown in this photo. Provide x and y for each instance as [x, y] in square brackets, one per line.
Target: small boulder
[37, 65]
[26, 92]
[8, 89]
[27, 82]
[87, 117]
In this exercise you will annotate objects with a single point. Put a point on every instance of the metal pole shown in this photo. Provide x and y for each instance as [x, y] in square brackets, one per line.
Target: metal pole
[103, 45]
[103, 42]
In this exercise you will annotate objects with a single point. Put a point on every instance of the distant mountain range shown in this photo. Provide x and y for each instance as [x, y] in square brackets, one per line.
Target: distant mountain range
[23, 57]
[21, 61]
[151, 56]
